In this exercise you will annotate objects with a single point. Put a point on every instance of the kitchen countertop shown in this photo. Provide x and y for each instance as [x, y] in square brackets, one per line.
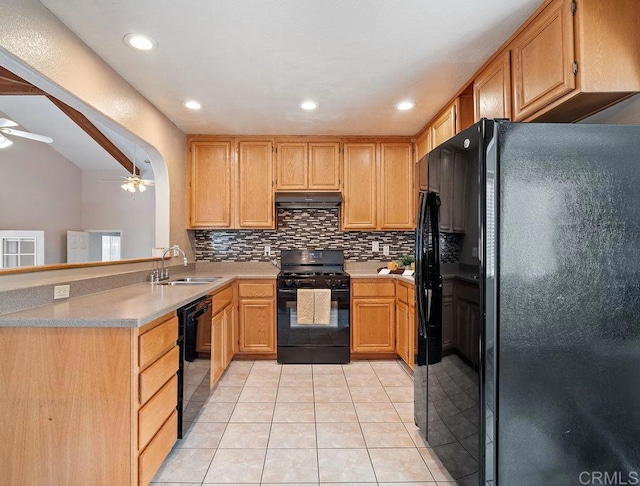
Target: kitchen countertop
[130, 306]
[138, 304]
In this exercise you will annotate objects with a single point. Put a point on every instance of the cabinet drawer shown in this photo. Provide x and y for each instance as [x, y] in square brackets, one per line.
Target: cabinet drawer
[373, 289]
[155, 412]
[402, 293]
[152, 457]
[256, 290]
[156, 375]
[222, 299]
[152, 344]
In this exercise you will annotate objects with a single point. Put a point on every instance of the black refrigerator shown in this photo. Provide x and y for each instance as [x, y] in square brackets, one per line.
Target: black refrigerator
[527, 279]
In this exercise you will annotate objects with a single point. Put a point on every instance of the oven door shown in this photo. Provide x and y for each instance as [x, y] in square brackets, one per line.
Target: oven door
[313, 343]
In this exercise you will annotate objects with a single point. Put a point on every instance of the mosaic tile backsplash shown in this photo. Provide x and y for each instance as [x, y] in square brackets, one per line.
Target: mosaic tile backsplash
[312, 229]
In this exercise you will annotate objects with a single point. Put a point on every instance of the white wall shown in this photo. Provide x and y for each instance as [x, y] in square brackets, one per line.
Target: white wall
[40, 190]
[105, 206]
[38, 47]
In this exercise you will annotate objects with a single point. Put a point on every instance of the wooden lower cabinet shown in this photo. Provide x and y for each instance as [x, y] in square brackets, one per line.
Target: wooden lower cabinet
[373, 316]
[467, 321]
[447, 316]
[257, 316]
[402, 331]
[406, 344]
[86, 404]
[230, 333]
[222, 331]
[217, 346]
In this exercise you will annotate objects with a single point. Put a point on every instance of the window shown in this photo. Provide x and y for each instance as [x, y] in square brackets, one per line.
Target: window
[21, 248]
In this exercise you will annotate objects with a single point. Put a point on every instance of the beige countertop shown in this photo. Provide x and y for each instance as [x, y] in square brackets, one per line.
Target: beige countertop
[138, 304]
[130, 306]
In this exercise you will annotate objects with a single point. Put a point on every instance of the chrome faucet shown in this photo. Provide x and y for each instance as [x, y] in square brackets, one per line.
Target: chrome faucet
[164, 272]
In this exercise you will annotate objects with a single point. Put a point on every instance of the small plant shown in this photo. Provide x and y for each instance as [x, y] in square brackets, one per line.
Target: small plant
[407, 260]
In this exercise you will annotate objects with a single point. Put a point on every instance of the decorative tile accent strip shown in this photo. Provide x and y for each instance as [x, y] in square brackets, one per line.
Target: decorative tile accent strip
[302, 228]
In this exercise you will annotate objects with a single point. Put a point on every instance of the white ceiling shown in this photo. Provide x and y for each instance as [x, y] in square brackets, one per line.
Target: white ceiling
[251, 62]
[37, 114]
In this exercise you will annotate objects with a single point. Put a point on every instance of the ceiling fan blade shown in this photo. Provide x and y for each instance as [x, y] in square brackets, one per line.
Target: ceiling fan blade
[4, 142]
[32, 136]
[5, 122]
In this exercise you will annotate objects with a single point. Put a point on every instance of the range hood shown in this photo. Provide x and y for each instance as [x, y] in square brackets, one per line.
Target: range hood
[303, 200]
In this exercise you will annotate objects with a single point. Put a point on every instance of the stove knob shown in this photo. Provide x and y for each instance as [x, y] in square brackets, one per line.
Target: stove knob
[331, 283]
[312, 281]
[297, 283]
[288, 282]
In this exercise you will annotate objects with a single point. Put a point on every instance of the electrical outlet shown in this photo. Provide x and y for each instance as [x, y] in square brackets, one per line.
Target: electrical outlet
[375, 246]
[267, 250]
[474, 252]
[385, 250]
[61, 292]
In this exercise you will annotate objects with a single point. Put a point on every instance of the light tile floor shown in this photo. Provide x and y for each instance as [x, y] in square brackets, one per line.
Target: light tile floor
[266, 423]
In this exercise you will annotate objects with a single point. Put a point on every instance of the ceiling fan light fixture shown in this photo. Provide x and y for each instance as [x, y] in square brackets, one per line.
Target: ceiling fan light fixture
[142, 187]
[140, 41]
[405, 105]
[193, 105]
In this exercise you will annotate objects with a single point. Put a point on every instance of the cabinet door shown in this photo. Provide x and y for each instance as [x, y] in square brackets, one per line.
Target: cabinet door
[255, 184]
[257, 326]
[423, 147]
[209, 184]
[203, 339]
[433, 174]
[396, 187]
[217, 347]
[447, 315]
[324, 166]
[444, 127]
[360, 181]
[402, 331]
[291, 166]
[373, 325]
[458, 206]
[412, 335]
[230, 338]
[542, 56]
[446, 189]
[492, 89]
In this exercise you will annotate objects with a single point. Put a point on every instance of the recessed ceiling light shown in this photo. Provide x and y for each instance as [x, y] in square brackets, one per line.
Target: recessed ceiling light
[192, 105]
[308, 105]
[140, 41]
[405, 105]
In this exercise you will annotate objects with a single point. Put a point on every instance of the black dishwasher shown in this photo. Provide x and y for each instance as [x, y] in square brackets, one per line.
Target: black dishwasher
[197, 313]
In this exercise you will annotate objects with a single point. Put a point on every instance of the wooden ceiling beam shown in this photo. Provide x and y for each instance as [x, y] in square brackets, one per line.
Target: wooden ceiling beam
[11, 84]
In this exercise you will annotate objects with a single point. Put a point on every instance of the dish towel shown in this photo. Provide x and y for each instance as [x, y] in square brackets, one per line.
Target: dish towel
[305, 305]
[322, 306]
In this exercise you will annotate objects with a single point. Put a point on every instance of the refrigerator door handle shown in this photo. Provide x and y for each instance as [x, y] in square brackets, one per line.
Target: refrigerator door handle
[420, 267]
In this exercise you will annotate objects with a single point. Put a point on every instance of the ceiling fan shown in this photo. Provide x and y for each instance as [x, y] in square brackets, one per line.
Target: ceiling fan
[6, 128]
[133, 182]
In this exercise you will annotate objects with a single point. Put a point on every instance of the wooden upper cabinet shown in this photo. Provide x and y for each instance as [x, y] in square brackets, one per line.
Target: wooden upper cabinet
[543, 57]
[423, 147]
[360, 186]
[396, 188]
[492, 89]
[324, 166]
[255, 184]
[210, 184]
[312, 166]
[444, 127]
[291, 166]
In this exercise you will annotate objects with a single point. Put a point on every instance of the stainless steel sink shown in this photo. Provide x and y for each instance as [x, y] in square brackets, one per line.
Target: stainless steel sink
[189, 281]
[196, 279]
